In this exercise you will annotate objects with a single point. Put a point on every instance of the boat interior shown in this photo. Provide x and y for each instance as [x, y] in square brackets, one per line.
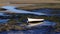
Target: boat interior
[34, 22]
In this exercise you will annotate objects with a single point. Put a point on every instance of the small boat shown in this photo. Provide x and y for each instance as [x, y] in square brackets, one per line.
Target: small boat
[34, 22]
[31, 19]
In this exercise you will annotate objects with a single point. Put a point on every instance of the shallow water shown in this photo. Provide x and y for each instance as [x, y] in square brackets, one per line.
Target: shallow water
[44, 30]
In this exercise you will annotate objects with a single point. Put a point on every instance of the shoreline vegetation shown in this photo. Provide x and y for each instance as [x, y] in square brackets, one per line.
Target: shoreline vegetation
[40, 5]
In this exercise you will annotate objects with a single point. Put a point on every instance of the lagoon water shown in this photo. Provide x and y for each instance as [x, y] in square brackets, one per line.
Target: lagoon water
[45, 29]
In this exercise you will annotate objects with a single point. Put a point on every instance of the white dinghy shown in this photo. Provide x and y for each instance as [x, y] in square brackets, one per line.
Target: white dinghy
[32, 19]
[34, 22]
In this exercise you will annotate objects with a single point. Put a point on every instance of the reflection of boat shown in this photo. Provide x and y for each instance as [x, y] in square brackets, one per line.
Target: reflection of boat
[34, 22]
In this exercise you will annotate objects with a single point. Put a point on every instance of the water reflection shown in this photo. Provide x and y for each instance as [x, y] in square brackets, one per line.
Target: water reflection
[3, 21]
[48, 10]
[42, 11]
[44, 29]
[13, 10]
